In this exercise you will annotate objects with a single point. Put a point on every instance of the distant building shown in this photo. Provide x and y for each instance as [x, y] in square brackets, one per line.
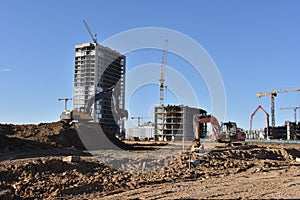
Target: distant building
[282, 133]
[175, 122]
[144, 132]
[256, 134]
[98, 69]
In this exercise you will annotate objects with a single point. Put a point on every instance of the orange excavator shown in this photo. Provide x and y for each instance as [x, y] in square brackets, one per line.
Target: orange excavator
[227, 132]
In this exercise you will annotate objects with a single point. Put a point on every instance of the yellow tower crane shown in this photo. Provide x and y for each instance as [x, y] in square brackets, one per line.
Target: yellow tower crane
[273, 94]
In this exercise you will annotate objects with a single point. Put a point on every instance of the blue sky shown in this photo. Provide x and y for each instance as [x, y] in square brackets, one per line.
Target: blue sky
[254, 44]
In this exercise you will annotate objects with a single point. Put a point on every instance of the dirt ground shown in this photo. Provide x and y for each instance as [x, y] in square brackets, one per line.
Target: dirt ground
[33, 166]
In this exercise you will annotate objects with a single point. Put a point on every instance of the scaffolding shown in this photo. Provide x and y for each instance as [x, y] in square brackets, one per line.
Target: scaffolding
[175, 122]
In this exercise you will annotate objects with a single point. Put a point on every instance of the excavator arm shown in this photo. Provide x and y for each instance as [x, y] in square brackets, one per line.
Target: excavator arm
[97, 97]
[202, 119]
[227, 133]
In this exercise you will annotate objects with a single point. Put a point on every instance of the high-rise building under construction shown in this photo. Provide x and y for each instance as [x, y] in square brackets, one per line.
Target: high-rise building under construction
[99, 84]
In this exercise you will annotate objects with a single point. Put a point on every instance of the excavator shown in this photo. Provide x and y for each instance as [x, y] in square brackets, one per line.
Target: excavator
[84, 114]
[227, 132]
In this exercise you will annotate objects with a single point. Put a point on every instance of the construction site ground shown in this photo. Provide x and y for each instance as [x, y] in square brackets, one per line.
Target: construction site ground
[33, 165]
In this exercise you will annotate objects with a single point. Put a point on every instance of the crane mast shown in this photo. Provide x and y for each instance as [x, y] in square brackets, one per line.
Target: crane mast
[162, 74]
[273, 94]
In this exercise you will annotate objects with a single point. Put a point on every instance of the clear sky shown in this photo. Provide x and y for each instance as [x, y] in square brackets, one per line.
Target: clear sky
[255, 45]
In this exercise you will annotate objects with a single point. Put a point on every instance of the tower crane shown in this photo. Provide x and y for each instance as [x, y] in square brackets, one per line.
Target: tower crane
[273, 94]
[94, 37]
[139, 118]
[66, 101]
[162, 74]
[292, 108]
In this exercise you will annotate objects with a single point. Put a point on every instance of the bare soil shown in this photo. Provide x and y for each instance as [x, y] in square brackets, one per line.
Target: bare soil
[32, 167]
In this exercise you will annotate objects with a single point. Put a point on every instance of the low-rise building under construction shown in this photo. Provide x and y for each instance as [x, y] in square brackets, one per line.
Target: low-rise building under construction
[175, 122]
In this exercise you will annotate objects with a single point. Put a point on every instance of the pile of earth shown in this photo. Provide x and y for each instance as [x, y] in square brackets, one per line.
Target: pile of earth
[8, 144]
[52, 177]
[58, 134]
[223, 162]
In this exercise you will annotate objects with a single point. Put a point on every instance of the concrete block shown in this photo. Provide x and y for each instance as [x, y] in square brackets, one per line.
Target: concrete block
[71, 159]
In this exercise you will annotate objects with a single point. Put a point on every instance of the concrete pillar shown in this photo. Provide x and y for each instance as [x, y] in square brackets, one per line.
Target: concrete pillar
[288, 132]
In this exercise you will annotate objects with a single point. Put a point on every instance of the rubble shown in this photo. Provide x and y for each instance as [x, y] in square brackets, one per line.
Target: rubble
[79, 177]
[54, 177]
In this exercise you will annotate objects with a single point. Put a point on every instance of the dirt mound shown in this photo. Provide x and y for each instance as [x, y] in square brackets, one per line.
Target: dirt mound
[49, 178]
[58, 134]
[5, 143]
[61, 134]
[8, 144]
[220, 163]
[52, 177]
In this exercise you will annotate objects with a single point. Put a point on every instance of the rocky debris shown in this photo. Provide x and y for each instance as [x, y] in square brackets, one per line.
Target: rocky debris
[132, 161]
[55, 177]
[52, 177]
[72, 176]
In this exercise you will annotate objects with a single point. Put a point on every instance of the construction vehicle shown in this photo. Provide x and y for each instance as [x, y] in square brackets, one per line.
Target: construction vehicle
[267, 120]
[84, 115]
[75, 116]
[227, 132]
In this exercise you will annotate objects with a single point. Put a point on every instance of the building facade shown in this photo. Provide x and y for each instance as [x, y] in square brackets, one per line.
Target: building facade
[175, 122]
[99, 84]
[143, 132]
